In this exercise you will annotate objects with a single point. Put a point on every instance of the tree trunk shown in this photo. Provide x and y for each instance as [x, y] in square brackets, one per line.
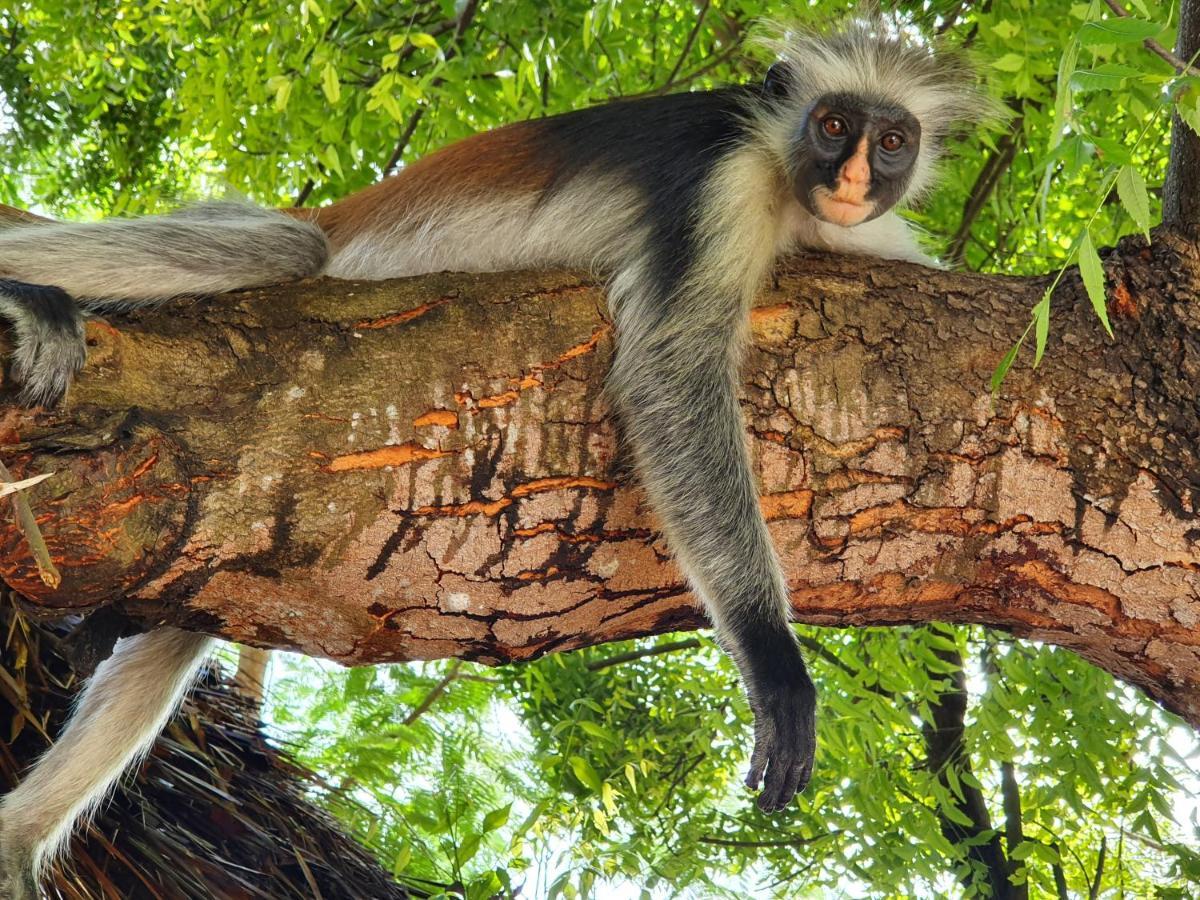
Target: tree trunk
[422, 468]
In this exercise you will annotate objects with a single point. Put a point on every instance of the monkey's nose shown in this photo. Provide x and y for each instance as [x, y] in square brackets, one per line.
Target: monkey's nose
[857, 170]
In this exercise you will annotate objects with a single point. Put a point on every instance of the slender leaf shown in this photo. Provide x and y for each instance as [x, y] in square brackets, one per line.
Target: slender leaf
[1092, 273]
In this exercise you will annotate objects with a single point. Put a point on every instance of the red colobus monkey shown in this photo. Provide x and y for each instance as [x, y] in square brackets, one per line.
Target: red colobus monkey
[682, 201]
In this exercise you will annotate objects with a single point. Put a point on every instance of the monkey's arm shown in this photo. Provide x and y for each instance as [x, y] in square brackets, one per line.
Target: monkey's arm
[674, 389]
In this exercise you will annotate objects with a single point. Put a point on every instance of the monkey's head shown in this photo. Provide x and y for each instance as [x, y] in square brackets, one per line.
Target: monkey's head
[856, 158]
[858, 116]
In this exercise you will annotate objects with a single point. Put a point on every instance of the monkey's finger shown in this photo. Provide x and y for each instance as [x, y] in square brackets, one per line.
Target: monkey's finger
[758, 762]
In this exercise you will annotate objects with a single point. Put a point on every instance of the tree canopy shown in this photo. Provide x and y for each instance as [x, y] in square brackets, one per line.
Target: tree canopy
[952, 759]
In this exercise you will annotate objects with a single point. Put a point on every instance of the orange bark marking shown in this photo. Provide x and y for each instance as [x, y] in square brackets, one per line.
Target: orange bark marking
[400, 318]
[399, 455]
[444, 417]
[786, 504]
[561, 482]
[461, 510]
[934, 520]
[540, 528]
[1124, 303]
[534, 377]
[491, 508]
[505, 399]
[761, 314]
[537, 574]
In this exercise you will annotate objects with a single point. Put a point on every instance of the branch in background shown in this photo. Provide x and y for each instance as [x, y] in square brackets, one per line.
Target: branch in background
[1010, 792]
[304, 193]
[687, 45]
[946, 751]
[783, 842]
[599, 664]
[1060, 878]
[1181, 189]
[251, 677]
[989, 176]
[1094, 888]
[464, 22]
[432, 697]
[1179, 60]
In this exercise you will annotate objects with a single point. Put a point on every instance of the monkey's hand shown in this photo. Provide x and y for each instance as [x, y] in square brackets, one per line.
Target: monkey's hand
[49, 345]
[785, 736]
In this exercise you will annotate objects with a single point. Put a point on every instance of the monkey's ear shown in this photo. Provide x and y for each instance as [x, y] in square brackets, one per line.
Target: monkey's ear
[778, 80]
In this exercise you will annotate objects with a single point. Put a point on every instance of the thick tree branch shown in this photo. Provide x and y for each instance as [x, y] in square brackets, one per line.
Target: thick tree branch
[424, 468]
[948, 759]
[1181, 190]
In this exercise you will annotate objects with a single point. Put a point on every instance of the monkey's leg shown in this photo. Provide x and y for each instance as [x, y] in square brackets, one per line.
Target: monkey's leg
[116, 720]
[676, 396]
[48, 342]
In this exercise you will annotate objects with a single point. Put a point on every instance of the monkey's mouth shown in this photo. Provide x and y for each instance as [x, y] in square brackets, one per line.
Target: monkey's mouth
[837, 211]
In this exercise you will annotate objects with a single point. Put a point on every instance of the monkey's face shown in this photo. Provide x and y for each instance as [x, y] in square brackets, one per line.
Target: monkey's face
[855, 158]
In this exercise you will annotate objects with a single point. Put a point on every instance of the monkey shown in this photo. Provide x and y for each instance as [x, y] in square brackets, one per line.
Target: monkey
[683, 202]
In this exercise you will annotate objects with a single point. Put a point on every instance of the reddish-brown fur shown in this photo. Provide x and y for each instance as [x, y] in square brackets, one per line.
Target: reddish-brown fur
[504, 160]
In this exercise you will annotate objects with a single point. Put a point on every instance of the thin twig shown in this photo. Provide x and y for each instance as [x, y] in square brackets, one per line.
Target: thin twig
[985, 183]
[782, 842]
[438, 689]
[464, 22]
[1154, 46]
[687, 45]
[27, 525]
[597, 665]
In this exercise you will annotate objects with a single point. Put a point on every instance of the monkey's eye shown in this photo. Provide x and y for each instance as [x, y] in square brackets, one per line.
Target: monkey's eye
[834, 126]
[892, 141]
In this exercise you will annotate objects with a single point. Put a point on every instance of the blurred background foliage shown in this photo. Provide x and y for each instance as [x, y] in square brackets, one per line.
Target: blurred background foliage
[954, 761]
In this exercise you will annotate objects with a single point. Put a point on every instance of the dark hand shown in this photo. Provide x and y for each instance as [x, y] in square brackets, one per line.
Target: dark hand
[785, 740]
[49, 344]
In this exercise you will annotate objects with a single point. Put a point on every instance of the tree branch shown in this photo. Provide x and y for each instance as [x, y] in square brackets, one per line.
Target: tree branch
[600, 664]
[465, 18]
[946, 752]
[1178, 61]
[1181, 189]
[687, 45]
[989, 176]
[350, 470]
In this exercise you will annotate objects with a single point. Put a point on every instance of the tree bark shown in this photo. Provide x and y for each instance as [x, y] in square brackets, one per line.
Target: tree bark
[423, 468]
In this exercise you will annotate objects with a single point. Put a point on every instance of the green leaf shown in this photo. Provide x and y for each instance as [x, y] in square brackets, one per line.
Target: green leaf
[1006, 364]
[1124, 30]
[1092, 273]
[1023, 850]
[1131, 188]
[330, 84]
[1010, 62]
[468, 848]
[585, 773]
[422, 39]
[403, 857]
[1108, 77]
[1063, 94]
[1041, 327]
[497, 818]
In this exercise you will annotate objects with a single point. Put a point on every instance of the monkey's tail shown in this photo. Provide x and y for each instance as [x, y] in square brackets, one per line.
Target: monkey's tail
[202, 249]
[116, 720]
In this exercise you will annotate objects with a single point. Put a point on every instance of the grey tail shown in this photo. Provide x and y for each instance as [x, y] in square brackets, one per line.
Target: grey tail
[204, 249]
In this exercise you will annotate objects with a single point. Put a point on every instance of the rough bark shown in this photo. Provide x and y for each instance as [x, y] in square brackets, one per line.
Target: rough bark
[423, 468]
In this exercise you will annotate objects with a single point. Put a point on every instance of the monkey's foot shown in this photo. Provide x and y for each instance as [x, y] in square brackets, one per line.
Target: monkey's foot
[785, 741]
[50, 347]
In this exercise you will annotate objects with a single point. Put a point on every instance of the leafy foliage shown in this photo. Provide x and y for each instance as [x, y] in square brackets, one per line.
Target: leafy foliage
[571, 777]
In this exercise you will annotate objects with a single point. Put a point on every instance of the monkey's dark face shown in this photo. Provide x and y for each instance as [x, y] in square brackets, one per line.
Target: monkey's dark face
[855, 158]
